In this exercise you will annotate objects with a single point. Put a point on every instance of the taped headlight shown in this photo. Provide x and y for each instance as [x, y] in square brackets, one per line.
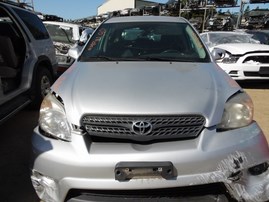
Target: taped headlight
[238, 112]
[52, 118]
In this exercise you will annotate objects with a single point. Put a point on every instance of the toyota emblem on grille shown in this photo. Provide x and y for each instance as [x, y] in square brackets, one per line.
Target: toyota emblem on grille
[142, 127]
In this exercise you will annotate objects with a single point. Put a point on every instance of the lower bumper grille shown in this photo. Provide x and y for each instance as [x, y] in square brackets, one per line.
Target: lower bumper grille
[210, 192]
[255, 74]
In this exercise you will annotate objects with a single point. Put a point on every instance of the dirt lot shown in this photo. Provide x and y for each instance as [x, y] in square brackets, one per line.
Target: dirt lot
[259, 92]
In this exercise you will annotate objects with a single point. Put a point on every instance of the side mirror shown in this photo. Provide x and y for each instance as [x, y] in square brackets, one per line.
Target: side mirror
[218, 53]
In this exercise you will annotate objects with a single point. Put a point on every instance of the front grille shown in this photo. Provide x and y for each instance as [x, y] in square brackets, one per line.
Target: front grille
[144, 128]
[257, 59]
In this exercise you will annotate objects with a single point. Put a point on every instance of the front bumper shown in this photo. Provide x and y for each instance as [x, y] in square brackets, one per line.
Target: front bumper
[223, 157]
[244, 71]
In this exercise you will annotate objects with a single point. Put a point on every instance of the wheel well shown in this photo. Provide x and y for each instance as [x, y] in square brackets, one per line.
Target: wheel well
[42, 63]
[46, 64]
[35, 92]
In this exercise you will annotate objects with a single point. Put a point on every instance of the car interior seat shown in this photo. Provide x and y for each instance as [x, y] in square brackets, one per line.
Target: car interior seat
[8, 29]
[9, 67]
[8, 58]
[12, 55]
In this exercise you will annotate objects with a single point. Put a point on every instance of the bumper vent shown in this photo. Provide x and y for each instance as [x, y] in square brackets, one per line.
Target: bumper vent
[144, 128]
[209, 193]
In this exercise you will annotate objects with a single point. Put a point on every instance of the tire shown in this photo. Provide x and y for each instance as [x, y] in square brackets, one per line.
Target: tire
[41, 86]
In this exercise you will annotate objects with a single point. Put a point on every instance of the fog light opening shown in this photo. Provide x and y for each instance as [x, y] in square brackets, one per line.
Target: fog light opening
[45, 187]
[233, 72]
[258, 169]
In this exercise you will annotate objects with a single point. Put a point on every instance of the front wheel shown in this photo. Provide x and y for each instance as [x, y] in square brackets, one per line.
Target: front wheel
[43, 82]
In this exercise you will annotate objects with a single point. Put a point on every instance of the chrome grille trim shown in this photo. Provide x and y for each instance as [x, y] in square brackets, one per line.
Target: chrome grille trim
[163, 127]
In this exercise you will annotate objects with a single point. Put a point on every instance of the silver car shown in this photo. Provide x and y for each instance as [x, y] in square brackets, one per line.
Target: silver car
[146, 114]
[27, 59]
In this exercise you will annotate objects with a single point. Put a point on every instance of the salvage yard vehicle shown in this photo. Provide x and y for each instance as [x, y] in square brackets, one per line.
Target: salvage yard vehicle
[64, 36]
[243, 57]
[75, 50]
[145, 113]
[27, 60]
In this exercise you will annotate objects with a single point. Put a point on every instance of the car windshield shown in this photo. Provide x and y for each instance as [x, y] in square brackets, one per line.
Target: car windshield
[59, 33]
[224, 38]
[262, 37]
[140, 41]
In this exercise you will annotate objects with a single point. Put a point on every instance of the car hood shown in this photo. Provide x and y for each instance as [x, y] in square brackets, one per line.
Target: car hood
[144, 88]
[242, 48]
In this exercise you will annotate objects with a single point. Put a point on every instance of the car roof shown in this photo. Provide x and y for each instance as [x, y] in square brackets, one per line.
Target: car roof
[62, 23]
[17, 6]
[145, 19]
[225, 32]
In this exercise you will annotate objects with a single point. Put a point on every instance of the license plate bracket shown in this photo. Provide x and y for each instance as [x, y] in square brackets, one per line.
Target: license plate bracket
[125, 171]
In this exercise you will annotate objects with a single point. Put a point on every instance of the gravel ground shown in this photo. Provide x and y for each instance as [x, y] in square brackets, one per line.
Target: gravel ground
[259, 92]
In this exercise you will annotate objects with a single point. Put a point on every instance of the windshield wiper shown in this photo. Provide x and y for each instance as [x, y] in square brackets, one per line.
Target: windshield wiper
[171, 59]
[146, 58]
[101, 57]
[150, 58]
[167, 59]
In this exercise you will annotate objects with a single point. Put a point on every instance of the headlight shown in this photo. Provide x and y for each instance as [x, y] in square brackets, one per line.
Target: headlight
[65, 60]
[230, 59]
[238, 112]
[52, 118]
[62, 59]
